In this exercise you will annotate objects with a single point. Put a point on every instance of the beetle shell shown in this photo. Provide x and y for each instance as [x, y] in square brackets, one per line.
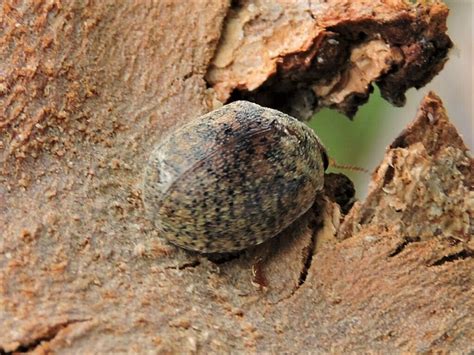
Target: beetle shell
[233, 178]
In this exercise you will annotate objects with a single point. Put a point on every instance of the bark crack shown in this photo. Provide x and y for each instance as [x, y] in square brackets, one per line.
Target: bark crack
[308, 256]
[46, 336]
[308, 259]
[463, 254]
[185, 265]
[403, 245]
[310, 12]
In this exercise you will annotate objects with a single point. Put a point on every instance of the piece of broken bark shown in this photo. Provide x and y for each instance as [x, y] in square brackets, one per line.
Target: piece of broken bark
[86, 89]
[298, 56]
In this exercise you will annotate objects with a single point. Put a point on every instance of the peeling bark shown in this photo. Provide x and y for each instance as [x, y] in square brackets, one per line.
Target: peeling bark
[298, 56]
[86, 89]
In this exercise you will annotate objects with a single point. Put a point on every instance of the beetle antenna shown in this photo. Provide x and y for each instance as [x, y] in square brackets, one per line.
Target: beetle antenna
[334, 164]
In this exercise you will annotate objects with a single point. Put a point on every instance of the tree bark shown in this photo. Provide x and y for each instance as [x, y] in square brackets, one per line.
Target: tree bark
[87, 89]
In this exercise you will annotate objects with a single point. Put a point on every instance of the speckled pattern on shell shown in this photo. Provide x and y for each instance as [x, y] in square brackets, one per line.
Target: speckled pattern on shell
[233, 178]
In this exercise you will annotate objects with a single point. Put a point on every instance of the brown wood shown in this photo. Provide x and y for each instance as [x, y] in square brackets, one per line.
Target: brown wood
[87, 88]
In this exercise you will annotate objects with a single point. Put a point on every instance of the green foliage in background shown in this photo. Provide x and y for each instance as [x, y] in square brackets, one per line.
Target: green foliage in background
[351, 142]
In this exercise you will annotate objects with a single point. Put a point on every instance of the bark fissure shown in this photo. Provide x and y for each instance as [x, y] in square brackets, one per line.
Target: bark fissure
[308, 258]
[461, 255]
[186, 265]
[403, 245]
[48, 335]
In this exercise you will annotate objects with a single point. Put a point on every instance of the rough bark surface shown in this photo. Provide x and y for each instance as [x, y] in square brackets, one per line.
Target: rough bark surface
[86, 89]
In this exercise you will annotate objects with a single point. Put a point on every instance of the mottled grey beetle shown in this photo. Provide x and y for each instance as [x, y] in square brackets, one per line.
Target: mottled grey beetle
[233, 178]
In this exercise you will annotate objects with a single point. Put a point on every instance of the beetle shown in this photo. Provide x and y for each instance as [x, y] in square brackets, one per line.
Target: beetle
[233, 178]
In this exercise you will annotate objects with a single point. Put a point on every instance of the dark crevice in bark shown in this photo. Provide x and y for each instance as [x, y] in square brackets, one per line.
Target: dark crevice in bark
[317, 225]
[48, 335]
[223, 258]
[463, 254]
[191, 264]
[402, 246]
[310, 13]
[185, 265]
[310, 250]
[340, 189]
[308, 259]
[289, 89]
[389, 174]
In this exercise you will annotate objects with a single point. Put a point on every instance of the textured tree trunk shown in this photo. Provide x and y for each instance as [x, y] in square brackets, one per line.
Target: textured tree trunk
[86, 90]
